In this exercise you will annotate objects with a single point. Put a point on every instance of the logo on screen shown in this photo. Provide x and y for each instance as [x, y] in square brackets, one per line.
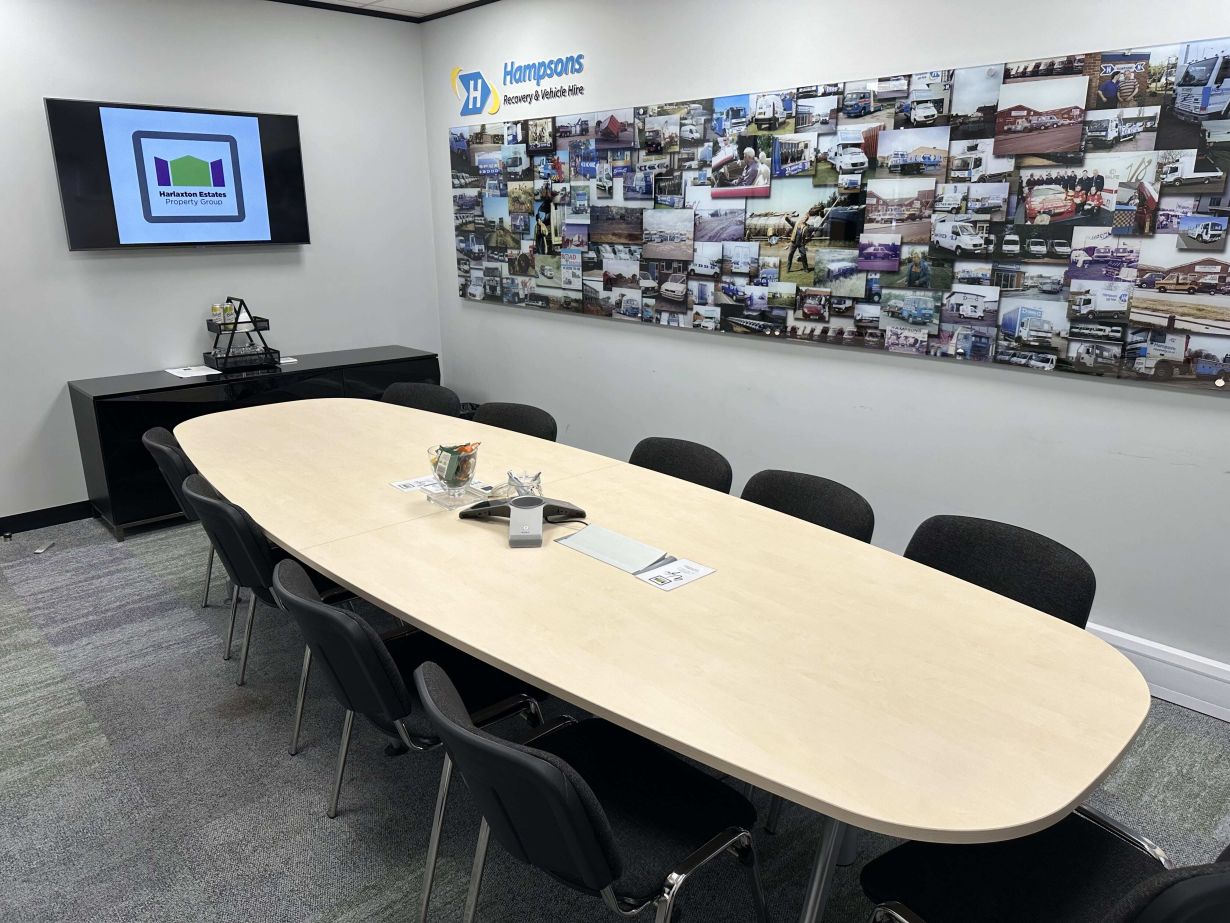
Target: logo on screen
[189, 171]
[476, 94]
[185, 177]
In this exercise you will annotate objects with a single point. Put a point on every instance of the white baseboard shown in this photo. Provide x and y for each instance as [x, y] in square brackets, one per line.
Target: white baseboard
[1177, 676]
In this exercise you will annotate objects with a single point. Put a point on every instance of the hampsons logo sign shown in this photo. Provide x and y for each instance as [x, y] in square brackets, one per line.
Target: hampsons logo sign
[476, 94]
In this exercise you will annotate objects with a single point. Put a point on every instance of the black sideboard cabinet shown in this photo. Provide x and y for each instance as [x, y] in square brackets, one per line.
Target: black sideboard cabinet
[124, 485]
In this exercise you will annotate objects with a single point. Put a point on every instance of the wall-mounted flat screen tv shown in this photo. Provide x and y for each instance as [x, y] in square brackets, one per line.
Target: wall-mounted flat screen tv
[149, 176]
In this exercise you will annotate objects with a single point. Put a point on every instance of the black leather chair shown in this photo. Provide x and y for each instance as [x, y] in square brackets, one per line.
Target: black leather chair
[596, 807]
[1008, 560]
[520, 418]
[679, 458]
[1085, 869]
[370, 676]
[244, 551]
[827, 504]
[174, 465]
[423, 395]
[814, 499]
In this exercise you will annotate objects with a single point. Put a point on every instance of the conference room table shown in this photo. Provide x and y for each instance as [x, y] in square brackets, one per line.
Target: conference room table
[842, 677]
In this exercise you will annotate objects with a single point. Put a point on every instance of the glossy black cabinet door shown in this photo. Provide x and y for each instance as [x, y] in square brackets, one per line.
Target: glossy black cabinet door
[124, 484]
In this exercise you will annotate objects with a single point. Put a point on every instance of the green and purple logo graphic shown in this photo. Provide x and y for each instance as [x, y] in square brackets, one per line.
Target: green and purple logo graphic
[189, 171]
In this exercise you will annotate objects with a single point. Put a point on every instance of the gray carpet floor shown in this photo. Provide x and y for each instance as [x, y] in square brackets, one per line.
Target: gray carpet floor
[140, 784]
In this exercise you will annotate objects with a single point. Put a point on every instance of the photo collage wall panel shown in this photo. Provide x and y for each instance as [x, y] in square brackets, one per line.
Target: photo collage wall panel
[1060, 214]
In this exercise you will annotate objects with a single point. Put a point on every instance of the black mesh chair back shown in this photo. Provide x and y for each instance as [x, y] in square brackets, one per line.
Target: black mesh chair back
[1008, 560]
[679, 458]
[537, 806]
[814, 499]
[172, 463]
[236, 538]
[1196, 894]
[347, 650]
[520, 418]
[423, 395]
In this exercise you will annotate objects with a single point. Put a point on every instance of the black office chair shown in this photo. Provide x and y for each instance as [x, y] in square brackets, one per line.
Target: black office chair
[827, 504]
[596, 807]
[679, 458]
[814, 499]
[174, 465]
[1085, 869]
[520, 418]
[244, 551]
[1008, 560]
[369, 675]
[423, 395]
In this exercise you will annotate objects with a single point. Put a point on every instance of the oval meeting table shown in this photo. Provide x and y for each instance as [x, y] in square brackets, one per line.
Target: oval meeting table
[840, 676]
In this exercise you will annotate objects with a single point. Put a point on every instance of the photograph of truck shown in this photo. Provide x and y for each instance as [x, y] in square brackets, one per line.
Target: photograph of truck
[1026, 325]
[1188, 169]
[1202, 232]
[1122, 129]
[1036, 186]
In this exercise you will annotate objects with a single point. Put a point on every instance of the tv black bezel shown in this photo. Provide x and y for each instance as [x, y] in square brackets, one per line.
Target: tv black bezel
[59, 171]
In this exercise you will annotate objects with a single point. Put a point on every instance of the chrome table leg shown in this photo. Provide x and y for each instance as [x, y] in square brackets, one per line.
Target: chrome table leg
[821, 883]
[849, 847]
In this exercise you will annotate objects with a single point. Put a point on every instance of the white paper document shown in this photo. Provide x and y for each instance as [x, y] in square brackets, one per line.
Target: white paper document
[674, 574]
[429, 484]
[192, 371]
[612, 548]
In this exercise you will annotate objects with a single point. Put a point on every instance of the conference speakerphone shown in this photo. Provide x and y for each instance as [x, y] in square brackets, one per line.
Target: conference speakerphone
[525, 517]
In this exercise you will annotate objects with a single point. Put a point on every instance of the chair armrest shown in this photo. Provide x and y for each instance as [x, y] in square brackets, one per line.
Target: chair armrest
[513, 705]
[1128, 835]
[731, 836]
[894, 912]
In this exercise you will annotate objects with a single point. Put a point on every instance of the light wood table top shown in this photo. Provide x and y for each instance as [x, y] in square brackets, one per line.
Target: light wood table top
[843, 677]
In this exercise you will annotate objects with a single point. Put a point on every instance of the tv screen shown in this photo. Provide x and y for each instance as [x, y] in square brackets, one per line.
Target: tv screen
[146, 176]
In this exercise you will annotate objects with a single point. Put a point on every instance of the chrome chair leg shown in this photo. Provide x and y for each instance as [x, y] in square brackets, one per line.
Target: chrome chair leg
[433, 843]
[347, 725]
[303, 684]
[664, 908]
[247, 641]
[775, 814]
[230, 628]
[209, 575]
[476, 873]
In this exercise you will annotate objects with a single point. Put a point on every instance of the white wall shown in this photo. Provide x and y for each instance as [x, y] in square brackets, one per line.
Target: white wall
[366, 279]
[1137, 480]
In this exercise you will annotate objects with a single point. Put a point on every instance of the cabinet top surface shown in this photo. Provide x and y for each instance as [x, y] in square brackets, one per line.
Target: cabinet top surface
[138, 382]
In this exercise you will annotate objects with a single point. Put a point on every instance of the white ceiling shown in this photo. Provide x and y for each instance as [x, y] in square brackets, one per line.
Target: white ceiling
[415, 8]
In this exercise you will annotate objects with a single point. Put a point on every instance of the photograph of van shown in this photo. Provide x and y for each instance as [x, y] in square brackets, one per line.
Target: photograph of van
[1092, 358]
[793, 155]
[1202, 232]
[861, 106]
[661, 134]
[1092, 301]
[956, 235]
[772, 112]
